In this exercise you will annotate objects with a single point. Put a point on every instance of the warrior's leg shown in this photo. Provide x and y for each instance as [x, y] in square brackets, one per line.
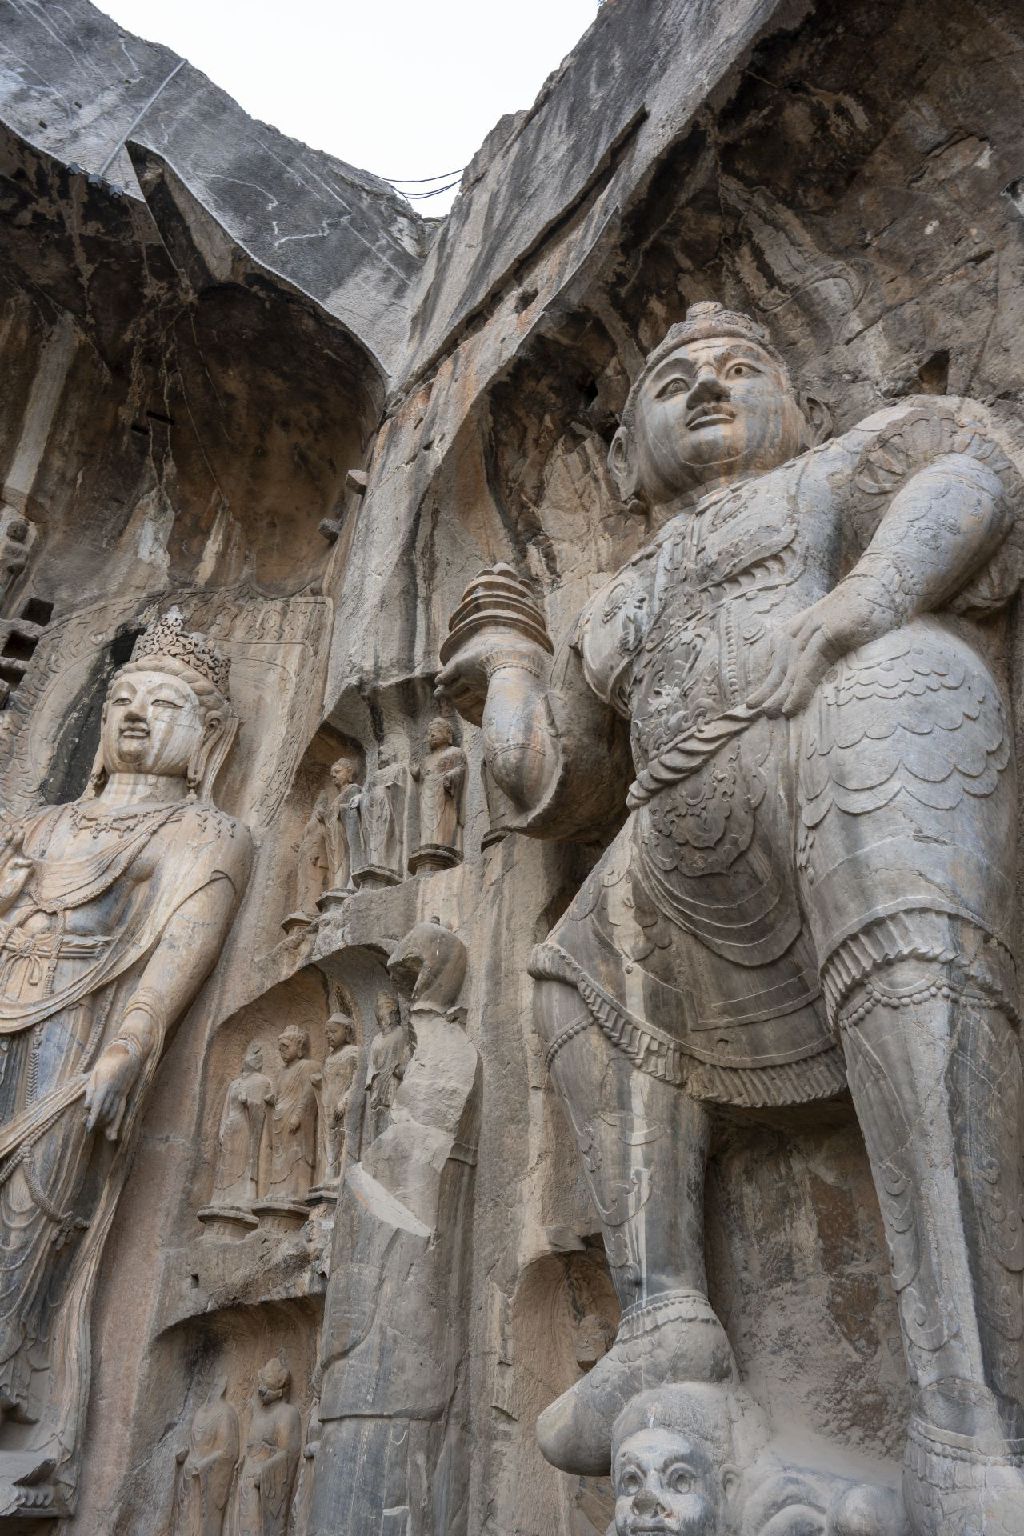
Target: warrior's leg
[644, 1145]
[935, 1071]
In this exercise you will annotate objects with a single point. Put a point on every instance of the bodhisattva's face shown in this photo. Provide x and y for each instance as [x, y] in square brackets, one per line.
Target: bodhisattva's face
[254, 1059]
[153, 723]
[439, 734]
[713, 411]
[665, 1485]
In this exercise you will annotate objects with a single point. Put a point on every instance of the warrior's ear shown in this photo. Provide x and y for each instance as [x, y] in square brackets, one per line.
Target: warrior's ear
[622, 461]
[818, 417]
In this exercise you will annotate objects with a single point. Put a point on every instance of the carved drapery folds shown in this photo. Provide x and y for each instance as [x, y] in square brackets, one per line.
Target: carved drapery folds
[115, 909]
[395, 1419]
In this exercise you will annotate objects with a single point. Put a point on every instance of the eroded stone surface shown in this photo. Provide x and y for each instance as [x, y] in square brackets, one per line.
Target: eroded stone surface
[765, 1275]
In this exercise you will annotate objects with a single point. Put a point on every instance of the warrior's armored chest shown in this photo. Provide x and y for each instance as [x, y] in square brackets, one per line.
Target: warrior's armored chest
[722, 577]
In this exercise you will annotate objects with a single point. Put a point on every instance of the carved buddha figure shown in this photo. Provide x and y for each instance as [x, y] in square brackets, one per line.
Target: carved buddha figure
[325, 848]
[815, 883]
[441, 776]
[240, 1134]
[338, 1073]
[207, 1467]
[293, 1119]
[271, 1458]
[389, 1055]
[116, 907]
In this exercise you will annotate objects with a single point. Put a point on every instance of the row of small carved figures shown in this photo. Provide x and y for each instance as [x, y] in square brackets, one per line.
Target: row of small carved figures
[213, 1464]
[356, 838]
[276, 1137]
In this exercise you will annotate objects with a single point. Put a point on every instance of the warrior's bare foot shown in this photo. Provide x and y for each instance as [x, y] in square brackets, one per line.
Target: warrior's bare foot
[675, 1337]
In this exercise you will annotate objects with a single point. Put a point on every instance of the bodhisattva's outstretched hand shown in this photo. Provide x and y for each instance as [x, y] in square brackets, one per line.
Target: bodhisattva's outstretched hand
[110, 1082]
[858, 610]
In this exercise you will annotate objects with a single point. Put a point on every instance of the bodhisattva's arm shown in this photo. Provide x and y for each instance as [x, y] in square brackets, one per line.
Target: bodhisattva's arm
[557, 754]
[940, 529]
[183, 958]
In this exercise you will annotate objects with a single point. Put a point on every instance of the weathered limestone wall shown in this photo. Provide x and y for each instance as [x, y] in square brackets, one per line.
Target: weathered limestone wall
[205, 327]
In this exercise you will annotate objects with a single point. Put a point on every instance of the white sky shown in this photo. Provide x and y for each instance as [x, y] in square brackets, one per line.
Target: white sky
[406, 88]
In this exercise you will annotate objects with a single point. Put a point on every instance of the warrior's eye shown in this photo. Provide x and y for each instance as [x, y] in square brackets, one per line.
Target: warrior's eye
[680, 1480]
[672, 387]
[630, 1482]
[741, 371]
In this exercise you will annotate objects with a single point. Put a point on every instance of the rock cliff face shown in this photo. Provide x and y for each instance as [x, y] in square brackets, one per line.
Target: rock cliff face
[440, 1109]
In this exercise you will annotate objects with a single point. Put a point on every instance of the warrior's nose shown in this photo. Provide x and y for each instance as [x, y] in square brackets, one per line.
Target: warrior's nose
[707, 386]
[645, 1502]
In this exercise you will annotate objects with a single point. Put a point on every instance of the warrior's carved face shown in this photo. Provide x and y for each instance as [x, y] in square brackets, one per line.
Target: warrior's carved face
[153, 723]
[710, 411]
[665, 1485]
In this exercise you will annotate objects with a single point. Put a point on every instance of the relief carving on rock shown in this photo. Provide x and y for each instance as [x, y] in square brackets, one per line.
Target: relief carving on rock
[441, 777]
[273, 1445]
[207, 1467]
[337, 1077]
[332, 837]
[395, 1417]
[239, 1142]
[115, 908]
[292, 1131]
[814, 886]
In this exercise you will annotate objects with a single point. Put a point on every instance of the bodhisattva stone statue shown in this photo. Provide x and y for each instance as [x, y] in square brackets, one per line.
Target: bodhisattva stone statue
[293, 1126]
[272, 1449]
[324, 863]
[115, 908]
[207, 1467]
[389, 1055]
[393, 1439]
[815, 882]
[338, 1074]
[381, 822]
[239, 1140]
[441, 776]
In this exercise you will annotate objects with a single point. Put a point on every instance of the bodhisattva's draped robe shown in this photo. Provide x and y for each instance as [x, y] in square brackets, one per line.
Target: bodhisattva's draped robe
[134, 904]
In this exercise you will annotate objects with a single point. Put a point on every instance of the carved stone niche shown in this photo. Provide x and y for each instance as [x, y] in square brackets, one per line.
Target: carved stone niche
[553, 1329]
[393, 1435]
[317, 826]
[240, 1392]
[262, 1152]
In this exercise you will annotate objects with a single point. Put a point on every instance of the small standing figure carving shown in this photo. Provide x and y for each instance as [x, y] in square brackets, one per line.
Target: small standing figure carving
[241, 1133]
[207, 1466]
[325, 851]
[441, 776]
[389, 1056]
[271, 1459]
[381, 824]
[293, 1121]
[338, 1073]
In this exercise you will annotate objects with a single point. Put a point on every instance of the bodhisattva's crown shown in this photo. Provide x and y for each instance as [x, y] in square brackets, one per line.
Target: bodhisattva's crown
[168, 637]
[710, 321]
